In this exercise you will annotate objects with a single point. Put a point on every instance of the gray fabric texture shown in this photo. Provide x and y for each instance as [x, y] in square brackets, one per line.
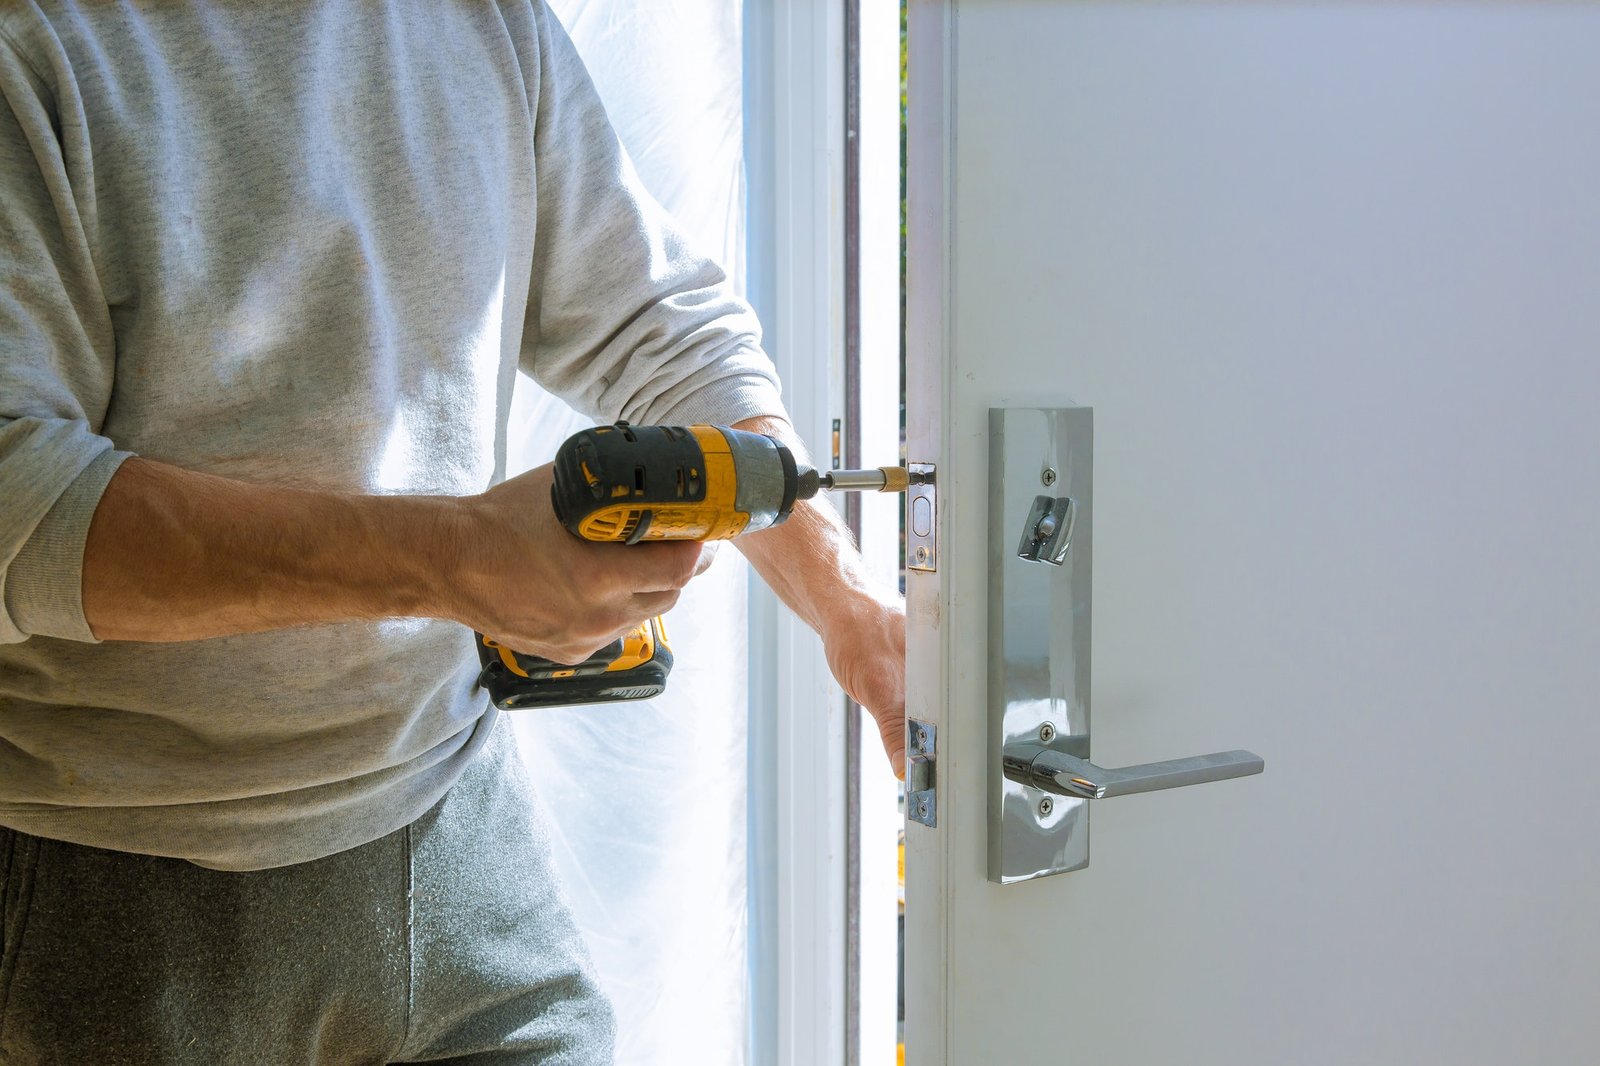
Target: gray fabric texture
[445, 941]
[303, 243]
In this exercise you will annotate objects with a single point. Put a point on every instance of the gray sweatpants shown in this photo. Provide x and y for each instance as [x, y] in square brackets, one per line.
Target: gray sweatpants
[446, 941]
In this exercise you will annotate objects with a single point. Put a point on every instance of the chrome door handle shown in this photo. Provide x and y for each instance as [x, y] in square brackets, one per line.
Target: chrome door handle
[1067, 775]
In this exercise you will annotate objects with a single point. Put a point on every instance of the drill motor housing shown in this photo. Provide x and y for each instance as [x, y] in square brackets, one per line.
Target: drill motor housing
[634, 483]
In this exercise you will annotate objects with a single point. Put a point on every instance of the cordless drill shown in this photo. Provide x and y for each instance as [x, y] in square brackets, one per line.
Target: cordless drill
[628, 484]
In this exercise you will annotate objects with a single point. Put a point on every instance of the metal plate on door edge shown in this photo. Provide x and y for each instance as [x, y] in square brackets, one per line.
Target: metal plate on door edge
[922, 519]
[922, 794]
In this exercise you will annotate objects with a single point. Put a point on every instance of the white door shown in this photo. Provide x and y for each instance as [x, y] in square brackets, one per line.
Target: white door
[1329, 277]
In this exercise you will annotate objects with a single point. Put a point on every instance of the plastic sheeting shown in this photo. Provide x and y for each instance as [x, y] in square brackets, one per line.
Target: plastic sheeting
[647, 799]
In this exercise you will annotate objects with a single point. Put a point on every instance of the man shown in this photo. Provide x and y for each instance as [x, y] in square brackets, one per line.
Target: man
[266, 275]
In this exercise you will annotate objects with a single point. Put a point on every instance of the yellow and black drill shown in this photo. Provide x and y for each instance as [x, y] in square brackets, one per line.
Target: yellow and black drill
[630, 484]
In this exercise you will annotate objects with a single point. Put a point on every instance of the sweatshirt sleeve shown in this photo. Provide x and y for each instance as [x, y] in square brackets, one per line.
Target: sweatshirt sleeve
[625, 320]
[56, 361]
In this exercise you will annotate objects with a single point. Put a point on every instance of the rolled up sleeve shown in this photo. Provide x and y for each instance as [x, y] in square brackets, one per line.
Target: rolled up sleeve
[57, 363]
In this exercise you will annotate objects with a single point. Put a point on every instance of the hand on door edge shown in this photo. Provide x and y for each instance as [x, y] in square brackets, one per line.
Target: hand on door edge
[812, 563]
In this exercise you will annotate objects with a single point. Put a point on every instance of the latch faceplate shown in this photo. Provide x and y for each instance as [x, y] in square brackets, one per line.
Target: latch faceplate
[922, 794]
[922, 517]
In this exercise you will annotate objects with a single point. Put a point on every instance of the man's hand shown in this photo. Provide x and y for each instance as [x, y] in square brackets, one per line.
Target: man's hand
[533, 586]
[866, 649]
[812, 563]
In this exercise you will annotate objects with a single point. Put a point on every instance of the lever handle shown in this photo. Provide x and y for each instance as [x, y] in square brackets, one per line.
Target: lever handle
[1067, 775]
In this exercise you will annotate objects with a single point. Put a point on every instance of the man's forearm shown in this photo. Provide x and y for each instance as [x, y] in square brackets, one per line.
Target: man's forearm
[178, 555]
[811, 560]
[812, 563]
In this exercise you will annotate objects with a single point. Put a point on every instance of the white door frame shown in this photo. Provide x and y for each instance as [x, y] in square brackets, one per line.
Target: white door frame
[929, 103]
[794, 147]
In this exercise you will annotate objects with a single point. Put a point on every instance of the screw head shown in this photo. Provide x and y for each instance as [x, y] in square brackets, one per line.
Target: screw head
[1048, 477]
[922, 554]
[1046, 805]
[1047, 733]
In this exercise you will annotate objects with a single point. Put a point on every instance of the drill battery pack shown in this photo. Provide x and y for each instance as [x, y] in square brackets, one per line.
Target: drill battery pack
[633, 667]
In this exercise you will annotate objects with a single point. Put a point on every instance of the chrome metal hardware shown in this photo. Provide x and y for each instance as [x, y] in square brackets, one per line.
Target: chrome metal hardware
[1039, 628]
[922, 793]
[1047, 532]
[1068, 775]
[922, 518]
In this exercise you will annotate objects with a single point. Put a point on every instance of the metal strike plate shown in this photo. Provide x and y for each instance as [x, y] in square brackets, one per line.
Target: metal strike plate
[1041, 467]
[922, 792]
[922, 519]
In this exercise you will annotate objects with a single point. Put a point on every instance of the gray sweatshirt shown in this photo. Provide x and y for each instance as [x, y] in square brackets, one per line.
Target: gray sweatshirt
[300, 243]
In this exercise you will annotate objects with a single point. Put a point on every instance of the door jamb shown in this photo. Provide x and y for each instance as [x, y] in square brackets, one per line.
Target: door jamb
[930, 138]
